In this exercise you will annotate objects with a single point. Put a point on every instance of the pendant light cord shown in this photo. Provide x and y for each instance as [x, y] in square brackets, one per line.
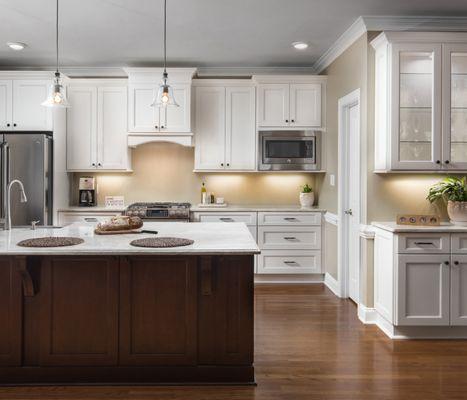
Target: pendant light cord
[165, 35]
[56, 35]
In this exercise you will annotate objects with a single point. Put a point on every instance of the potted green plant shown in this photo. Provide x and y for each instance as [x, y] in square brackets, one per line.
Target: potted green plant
[307, 197]
[453, 190]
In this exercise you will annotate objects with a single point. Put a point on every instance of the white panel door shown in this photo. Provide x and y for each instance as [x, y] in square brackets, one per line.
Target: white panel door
[240, 128]
[305, 105]
[6, 98]
[142, 117]
[273, 105]
[112, 128]
[28, 113]
[210, 128]
[177, 119]
[423, 290]
[459, 290]
[82, 129]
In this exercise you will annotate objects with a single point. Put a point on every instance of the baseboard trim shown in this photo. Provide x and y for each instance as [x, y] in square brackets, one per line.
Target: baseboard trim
[367, 315]
[289, 279]
[332, 284]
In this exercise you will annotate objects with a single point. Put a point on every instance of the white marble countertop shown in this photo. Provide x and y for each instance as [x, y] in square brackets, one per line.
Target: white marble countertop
[209, 238]
[95, 209]
[253, 208]
[444, 227]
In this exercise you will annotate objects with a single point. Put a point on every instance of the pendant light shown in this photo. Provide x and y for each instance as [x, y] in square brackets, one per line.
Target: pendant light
[57, 97]
[165, 95]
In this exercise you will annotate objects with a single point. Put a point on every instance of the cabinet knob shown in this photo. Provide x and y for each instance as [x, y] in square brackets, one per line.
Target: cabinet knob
[222, 164]
[156, 127]
[438, 162]
[228, 164]
[286, 120]
[446, 263]
[8, 124]
[162, 126]
[456, 262]
[14, 124]
[99, 164]
[292, 120]
[93, 164]
[446, 162]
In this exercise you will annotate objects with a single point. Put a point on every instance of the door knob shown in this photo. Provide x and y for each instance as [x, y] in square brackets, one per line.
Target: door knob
[348, 212]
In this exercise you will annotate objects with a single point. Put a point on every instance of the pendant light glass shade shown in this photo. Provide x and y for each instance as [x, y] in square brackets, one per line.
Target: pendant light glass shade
[57, 96]
[165, 95]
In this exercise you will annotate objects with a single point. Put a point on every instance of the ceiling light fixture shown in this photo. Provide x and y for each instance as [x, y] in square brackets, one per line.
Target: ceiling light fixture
[300, 45]
[165, 96]
[17, 46]
[57, 97]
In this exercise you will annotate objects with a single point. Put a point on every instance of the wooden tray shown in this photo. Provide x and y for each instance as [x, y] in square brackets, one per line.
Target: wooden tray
[122, 232]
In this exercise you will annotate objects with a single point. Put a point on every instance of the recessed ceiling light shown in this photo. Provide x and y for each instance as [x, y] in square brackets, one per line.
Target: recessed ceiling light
[300, 45]
[16, 45]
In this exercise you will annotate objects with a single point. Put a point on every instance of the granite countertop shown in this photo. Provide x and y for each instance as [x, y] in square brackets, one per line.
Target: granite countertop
[253, 207]
[395, 228]
[209, 238]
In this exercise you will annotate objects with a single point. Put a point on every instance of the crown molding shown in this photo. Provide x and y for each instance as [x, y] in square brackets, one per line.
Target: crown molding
[367, 23]
[346, 40]
[250, 71]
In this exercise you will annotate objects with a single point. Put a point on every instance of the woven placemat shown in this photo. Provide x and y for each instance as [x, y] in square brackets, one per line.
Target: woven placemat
[51, 241]
[161, 242]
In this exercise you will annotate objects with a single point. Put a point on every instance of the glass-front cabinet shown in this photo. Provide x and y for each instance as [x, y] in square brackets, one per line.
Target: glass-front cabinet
[455, 106]
[420, 102]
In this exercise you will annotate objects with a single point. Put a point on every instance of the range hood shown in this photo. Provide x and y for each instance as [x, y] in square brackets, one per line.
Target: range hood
[142, 85]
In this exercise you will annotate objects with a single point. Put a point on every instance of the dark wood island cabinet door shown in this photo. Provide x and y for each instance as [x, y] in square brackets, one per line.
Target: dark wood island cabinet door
[158, 310]
[226, 330]
[10, 313]
[79, 311]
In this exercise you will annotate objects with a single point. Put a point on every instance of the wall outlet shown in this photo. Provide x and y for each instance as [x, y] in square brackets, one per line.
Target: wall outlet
[332, 180]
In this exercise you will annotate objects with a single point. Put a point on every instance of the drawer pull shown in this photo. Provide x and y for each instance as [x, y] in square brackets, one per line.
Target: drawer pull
[290, 219]
[424, 243]
[90, 219]
[291, 238]
[292, 263]
[226, 219]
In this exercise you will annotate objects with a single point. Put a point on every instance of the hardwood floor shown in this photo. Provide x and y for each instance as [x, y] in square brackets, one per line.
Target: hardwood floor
[310, 345]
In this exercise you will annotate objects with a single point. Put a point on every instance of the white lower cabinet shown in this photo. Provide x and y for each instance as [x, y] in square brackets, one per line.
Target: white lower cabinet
[288, 247]
[87, 217]
[423, 290]
[420, 279]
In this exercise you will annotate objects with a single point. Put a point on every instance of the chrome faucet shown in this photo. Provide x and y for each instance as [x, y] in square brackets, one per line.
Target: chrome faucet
[23, 199]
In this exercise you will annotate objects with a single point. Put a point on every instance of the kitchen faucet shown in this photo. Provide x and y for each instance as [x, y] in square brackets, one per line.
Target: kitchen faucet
[23, 199]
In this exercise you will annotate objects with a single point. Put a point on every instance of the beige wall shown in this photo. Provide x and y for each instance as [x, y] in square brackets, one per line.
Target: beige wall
[164, 172]
[345, 74]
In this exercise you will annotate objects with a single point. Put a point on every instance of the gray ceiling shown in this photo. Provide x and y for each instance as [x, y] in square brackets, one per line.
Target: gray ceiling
[220, 33]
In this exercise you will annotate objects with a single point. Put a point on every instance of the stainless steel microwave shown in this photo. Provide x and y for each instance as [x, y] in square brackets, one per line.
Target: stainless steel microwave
[288, 151]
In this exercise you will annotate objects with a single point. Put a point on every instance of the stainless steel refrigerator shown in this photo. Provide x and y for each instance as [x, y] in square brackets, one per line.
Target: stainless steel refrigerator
[27, 156]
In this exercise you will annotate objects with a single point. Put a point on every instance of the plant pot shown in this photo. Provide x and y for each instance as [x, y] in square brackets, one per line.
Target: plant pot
[457, 211]
[307, 199]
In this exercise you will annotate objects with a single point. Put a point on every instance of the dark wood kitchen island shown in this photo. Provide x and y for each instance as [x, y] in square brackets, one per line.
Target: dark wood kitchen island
[104, 312]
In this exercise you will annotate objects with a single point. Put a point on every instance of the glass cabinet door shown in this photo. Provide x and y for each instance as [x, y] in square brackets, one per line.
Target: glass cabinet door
[416, 123]
[455, 106]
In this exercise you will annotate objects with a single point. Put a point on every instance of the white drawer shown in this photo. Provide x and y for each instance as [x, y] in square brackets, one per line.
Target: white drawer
[293, 237]
[459, 243]
[288, 218]
[417, 243]
[289, 262]
[92, 218]
[248, 218]
[252, 229]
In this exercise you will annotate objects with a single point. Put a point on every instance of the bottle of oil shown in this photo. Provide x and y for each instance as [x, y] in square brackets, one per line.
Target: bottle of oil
[203, 194]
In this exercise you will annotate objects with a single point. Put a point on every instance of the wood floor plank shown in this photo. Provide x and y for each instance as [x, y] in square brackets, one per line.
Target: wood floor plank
[310, 345]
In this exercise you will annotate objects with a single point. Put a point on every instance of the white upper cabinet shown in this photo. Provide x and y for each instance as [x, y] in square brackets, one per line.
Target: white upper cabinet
[143, 85]
[28, 113]
[273, 105]
[21, 95]
[290, 102]
[97, 126]
[225, 136]
[420, 99]
[6, 96]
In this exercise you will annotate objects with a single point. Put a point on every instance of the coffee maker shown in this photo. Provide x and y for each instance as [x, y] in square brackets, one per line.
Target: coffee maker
[87, 191]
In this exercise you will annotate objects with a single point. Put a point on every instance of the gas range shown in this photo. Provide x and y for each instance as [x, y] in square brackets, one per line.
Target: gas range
[160, 211]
